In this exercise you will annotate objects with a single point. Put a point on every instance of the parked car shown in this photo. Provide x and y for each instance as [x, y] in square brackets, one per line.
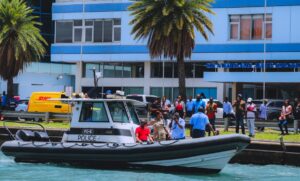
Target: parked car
[142, 98]
[274, 107]
[22, 105]
[142, 111]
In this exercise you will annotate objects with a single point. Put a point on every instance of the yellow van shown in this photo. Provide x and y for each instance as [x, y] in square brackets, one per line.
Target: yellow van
[39, 102]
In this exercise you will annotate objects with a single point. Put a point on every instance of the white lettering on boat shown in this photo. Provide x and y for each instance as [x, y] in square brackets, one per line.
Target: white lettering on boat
[88, 138]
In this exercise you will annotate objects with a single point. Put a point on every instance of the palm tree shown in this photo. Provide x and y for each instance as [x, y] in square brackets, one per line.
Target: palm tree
[20, 40]
[169, 26]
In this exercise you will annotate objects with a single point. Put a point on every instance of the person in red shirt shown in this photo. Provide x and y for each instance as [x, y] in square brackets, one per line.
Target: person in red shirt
[142, 133]
[211, 109]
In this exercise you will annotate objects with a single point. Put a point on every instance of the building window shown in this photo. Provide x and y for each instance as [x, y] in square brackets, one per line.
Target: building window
[64, 31]
[115, 70]
[172, 92]
[250, 27]
[192, 70]
[156, 70]
[107, 30]
[98, 31]
[133, 90]
[77, 28]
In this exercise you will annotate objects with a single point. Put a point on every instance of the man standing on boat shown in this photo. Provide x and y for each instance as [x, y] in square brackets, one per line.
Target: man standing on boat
[142, 133]
[198, 123]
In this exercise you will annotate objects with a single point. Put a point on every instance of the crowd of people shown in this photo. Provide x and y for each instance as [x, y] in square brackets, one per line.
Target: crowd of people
[168, 121]
[247, 110]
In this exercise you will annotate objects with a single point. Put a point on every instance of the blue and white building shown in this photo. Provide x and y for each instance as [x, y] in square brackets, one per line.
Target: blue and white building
[95, 34]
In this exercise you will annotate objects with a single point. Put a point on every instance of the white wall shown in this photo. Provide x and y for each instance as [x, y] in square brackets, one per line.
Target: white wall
[32, 82]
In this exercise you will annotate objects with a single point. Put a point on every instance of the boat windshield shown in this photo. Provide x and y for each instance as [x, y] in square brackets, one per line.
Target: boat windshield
[93, 112]
[118, 112]
[133, 114]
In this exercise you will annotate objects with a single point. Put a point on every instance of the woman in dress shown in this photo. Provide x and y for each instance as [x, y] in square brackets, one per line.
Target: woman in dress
[160, 131]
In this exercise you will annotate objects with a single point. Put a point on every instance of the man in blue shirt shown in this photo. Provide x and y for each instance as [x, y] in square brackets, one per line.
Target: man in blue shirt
[198, 124]
[177, 127]
[198, 103]
[190, 107]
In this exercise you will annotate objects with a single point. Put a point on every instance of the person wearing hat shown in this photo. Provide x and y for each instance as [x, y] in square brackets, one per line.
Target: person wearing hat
[142, 133]
[240, 109]
[198, 123]
[251, 113]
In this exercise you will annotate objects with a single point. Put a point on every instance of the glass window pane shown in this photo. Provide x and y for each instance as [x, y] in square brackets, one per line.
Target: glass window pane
[77, 22]
[88, 72]
[199, 69]
[138, 70]
[157, 91]
[109, 70]
[107, 31]
[175, 93]
[189, 70]
[93, 112]
[269, 17]
[78, 34]
[118, 70]
[118, 112]
[156, 70]
[245, 27]
[98, 28]
[257, 27]
[235, 18]
[117, 21]
[89, 22]
[168, 67]
[134, 90]
[168, 93]
[127, 70]
[269, 30]
[175, 70]
[234, 30]
[133, 114]
[64, 32]
[56, 68]
[44, 68]
[88, 34]
[117, 34]
[189, 92]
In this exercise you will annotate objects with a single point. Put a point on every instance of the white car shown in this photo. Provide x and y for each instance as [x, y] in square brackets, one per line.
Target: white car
[142, 111]
[143, 98]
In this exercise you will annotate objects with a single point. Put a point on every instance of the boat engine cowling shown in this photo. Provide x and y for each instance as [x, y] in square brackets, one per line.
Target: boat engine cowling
[41, 136]
[25, 135]
[28, 135]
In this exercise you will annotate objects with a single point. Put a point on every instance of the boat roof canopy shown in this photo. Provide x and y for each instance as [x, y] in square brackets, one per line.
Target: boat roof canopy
[134, 102]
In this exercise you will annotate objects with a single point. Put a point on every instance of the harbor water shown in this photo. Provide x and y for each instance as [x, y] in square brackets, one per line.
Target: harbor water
[10, 171]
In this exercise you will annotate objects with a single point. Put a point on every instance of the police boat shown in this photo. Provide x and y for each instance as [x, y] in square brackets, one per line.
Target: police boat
[102, 135]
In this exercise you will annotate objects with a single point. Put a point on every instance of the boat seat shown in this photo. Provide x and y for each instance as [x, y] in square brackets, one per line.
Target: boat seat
[25, 135]
[41, 136]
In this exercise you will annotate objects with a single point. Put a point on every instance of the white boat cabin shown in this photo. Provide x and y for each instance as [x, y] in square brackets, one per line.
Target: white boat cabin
[103, 120]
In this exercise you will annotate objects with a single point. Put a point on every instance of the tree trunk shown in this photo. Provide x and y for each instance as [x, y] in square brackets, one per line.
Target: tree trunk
[181, 76]
[10, 88]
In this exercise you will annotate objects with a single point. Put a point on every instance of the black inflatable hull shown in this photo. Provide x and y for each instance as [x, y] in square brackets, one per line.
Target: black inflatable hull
[202, 155]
